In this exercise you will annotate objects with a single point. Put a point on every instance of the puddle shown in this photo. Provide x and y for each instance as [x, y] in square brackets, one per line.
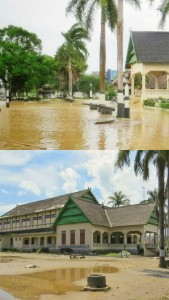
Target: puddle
[60, 281]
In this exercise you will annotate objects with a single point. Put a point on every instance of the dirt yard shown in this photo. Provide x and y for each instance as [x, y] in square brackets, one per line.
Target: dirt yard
[59, 277]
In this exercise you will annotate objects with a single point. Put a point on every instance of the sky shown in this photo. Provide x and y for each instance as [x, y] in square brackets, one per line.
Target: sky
[27, 176]
[47, 19]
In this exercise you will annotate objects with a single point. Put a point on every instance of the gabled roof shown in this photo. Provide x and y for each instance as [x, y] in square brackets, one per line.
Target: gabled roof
[49, 204]
[94, 212]
[148, 47]
[138, 214]
[80, 211]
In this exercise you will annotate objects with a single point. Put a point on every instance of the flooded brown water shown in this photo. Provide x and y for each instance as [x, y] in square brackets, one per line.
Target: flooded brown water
[31, 286]
[62, 125]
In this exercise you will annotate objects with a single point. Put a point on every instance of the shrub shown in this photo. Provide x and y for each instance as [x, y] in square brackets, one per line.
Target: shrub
[164, 105]
[149, 102]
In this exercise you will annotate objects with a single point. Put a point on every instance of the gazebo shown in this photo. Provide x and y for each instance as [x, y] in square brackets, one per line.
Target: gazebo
[148, 61]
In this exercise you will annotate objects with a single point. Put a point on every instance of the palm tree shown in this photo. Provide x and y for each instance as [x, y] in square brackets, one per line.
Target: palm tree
[164, 10]
[142, 161]
[153, 198]
[74, 49]
[84, 12]
[136, 3]
[118, 199]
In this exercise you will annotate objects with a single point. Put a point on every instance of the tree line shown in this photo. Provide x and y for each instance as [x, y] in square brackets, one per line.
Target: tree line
[23, 67]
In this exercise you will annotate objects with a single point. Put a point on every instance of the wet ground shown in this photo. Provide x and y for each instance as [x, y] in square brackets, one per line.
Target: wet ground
[71, 126]
[60, 281]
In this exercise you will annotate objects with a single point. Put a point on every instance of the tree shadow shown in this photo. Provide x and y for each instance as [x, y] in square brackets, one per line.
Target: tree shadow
[156, 273]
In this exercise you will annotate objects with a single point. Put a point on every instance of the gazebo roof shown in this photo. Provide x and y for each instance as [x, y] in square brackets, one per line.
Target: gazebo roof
[148, 47]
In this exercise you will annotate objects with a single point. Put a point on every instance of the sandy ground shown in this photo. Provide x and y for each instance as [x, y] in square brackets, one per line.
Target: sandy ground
[137, 278]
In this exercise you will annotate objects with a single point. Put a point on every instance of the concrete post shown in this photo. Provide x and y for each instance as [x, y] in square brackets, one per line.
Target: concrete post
[143, 87]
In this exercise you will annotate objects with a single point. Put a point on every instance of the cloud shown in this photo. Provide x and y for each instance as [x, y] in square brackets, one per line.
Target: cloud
[70, 178]
[6, 207]
[106, 179]
[15, 158]
[4, 191]
[30, 186]
[21, 193]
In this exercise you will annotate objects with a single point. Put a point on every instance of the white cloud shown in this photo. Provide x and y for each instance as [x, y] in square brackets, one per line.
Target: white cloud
[15, 158]
[21, 193]
[4, 191]
[30, 186]
[6, 207]
[107, 180]
[70, 178]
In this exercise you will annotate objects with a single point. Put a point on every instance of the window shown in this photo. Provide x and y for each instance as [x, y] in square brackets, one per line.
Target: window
[63, 237]
[42, 241]
[72, 237]
[82, 236]
[47, 216]
[49, 240]
[26, 241]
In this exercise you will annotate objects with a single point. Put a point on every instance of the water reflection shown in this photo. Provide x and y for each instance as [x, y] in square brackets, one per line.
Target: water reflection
[31, 286]
[62, 125]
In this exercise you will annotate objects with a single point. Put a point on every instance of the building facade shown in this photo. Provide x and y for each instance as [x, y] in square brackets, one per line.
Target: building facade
[148, 61]
[78, 222]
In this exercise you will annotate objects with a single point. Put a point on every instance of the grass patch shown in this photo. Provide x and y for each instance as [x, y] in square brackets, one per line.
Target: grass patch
[112, 254]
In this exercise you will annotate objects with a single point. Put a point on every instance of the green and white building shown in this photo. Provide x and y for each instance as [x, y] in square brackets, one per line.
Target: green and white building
[79, 222]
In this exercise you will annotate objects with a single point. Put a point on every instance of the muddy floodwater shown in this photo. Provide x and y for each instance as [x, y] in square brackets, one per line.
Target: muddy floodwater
[31, 286]
[62, 125]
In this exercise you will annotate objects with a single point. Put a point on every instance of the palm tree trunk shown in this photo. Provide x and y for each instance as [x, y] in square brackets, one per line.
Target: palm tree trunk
[161, 196]
[120, 108]
[70, 78]
[102, 54]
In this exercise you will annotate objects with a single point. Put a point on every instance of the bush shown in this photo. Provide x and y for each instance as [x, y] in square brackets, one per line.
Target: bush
[149, 102]
[164, 105]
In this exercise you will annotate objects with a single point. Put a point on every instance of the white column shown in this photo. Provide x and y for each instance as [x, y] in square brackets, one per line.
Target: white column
[132, 86]
[156, 82]
[143, 96]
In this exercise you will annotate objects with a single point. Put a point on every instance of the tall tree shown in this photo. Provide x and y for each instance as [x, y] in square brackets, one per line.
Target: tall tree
[136, 3]
[84, 12]
[73, 52]
[142, 161]
[118, 199]
[19, 50]
[153, 198]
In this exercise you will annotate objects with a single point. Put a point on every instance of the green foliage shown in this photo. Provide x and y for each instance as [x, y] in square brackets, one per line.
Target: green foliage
[112, 254]
[87, 82]
[164, 105]
[149, 102]
[70, 58]
[110, 92]
[118, 199]
[140, 250]
[21, 64]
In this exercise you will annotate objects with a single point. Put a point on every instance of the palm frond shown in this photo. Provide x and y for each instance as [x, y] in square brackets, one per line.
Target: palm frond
[123, 158]
[111, 13]
[164, 10]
